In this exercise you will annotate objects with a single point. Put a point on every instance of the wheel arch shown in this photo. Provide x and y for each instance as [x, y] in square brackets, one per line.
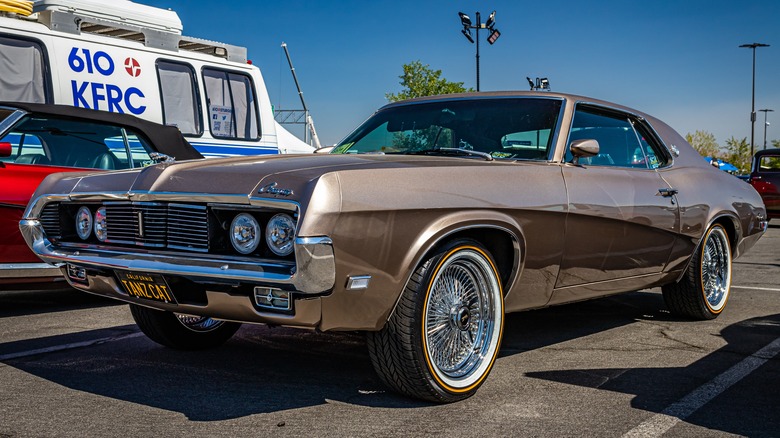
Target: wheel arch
[499, 233]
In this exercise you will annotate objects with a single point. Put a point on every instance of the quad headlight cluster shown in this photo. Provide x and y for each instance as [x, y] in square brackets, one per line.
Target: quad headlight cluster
[181, 227]
[86, 223]
[245, 234]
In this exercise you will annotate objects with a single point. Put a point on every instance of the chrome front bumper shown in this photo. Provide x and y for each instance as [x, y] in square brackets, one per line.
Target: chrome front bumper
[314, 270]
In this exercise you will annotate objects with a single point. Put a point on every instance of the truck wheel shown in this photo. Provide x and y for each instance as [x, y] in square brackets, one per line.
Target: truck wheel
[443, 337]
[182, 332]
[703, 291]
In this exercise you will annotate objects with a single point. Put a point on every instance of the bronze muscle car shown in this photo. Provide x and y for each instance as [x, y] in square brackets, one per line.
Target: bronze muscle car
[423, 228]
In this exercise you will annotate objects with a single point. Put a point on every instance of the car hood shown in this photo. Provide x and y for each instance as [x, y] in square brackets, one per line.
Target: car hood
[278, 176]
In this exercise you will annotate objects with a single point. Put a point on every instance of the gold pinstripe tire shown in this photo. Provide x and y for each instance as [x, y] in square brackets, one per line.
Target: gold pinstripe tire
[443, 338]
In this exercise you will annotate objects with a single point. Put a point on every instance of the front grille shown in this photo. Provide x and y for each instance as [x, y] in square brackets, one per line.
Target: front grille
[158, 225]
[141, 223]
[50, 220]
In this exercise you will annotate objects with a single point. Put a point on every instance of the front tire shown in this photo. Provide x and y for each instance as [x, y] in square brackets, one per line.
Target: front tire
[703, 291]
[443, 338]
[182, 332]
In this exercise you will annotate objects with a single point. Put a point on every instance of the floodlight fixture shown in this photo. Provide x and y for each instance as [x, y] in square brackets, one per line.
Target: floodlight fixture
[464, 19]
[530, 82]
[467, 33]
[493, 36]
[491, 21]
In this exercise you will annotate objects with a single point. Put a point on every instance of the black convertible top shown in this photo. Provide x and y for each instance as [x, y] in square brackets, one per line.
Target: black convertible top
[166, 139]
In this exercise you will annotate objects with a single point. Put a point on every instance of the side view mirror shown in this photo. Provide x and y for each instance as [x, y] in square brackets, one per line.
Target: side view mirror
[583, 148]
[5, 149]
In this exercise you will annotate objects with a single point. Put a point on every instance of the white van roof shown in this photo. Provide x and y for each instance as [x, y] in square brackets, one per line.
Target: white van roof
[124, 19]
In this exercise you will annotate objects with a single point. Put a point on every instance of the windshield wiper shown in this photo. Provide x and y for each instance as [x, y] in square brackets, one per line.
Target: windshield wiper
[451, 151]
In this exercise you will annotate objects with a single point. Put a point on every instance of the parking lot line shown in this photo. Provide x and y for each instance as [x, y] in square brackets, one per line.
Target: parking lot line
[660, 423]
[756, 288]
[54, 348]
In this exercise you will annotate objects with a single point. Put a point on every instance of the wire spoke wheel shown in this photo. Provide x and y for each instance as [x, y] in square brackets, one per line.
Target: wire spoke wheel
[716, 269]
[460, 317]
[198, 323]
[703, 290]
[441, 341]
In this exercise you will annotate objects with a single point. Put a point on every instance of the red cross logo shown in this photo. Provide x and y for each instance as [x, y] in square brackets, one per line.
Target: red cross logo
[133, 67]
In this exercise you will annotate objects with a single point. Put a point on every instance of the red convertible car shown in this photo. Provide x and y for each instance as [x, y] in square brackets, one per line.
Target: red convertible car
[37, 140]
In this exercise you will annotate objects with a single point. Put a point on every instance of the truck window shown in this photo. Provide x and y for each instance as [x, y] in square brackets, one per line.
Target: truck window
[232, 107]
[179, 97]
[22, 71]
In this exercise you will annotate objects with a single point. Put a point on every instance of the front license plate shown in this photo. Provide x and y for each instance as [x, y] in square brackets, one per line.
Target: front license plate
[147, 286]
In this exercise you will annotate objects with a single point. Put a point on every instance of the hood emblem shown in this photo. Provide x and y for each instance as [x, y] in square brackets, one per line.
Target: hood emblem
[271, 189]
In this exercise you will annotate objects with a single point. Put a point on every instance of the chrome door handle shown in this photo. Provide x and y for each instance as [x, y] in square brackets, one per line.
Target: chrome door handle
[667, 192]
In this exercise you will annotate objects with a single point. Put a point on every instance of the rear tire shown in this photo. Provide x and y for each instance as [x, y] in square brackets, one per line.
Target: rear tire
[443, 337]
[703, 291]
[182, 332]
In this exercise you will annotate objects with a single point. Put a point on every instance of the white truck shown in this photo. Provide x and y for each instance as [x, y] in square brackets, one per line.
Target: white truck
[125, 57]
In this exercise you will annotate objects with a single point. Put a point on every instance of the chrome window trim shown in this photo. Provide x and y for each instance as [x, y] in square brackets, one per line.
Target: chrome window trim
[10, 121]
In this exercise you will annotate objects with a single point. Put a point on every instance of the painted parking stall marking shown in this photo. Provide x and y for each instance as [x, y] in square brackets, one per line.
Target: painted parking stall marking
[659, 424]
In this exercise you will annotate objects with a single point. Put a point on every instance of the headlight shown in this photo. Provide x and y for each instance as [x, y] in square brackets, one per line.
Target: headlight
[100, 224]
[244, 233]
[280, 234]
[84, 223]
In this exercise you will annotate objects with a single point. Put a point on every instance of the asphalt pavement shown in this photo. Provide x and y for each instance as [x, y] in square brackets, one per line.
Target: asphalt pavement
[75, 365]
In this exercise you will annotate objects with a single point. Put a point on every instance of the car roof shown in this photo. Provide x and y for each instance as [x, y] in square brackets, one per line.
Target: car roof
[166, 139]
[762, 152]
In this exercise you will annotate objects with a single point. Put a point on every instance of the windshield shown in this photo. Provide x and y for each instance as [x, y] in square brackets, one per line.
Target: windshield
[61, 141]
[510, 128]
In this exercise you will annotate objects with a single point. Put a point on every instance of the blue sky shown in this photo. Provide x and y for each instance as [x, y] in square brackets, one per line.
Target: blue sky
[677, 60]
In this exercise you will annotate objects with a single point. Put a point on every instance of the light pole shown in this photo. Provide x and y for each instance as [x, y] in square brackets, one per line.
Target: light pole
[753, 105]
[766, 110]
[489, 25]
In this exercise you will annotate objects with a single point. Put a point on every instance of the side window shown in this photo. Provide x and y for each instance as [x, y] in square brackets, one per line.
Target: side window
[129, 149]
[769, 163]
[654, 157]
[22, 71]
[232, 106]
[179, 97]
[619, 144]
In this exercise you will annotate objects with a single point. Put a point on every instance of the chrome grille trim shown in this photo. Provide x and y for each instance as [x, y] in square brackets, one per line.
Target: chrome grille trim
[123, 220]
[158, 225]
[188, 227]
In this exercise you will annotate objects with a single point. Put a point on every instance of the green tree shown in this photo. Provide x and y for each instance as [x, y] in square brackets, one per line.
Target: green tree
[420, 80]
[738, 153]
[776, 143]
[704, 143]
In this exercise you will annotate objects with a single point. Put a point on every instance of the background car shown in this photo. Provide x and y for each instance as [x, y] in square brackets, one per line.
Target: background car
[765, 178]
[422, 228]
[37, 140]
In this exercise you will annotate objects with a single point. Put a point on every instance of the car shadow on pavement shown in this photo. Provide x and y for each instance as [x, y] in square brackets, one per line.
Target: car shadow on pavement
[747, 408]
[264, 369]
[19, 303]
